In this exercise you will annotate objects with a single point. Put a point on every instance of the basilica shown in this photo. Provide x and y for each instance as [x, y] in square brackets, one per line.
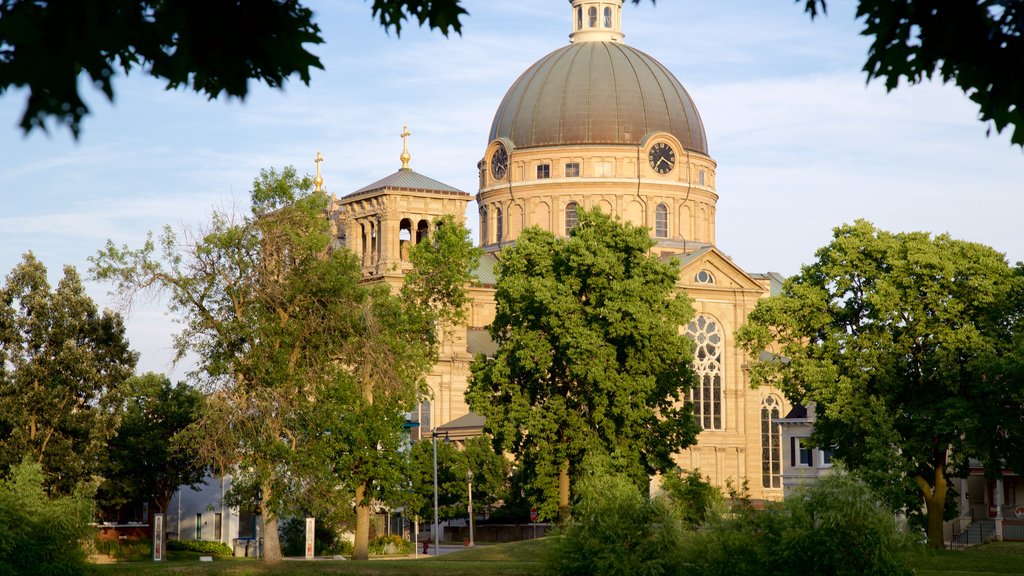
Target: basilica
[594, 124]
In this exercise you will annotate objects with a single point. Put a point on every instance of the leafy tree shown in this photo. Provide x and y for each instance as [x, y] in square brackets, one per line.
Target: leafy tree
[221, 45]
[310, 369]
[41, 534]
[490, 478]
[263, 301]
[974, 44]
[590, 358]
[898, 339]
[143, 462]
[62, 363]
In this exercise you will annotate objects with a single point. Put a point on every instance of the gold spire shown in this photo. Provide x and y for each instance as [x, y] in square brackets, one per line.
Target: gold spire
[405, 147]
[319, 180]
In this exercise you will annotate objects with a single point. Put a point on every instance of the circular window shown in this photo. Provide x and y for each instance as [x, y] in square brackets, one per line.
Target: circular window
[704, 277]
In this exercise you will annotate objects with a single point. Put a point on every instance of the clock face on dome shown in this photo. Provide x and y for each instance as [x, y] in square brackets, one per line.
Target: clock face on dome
[662, 158]
[499, 163]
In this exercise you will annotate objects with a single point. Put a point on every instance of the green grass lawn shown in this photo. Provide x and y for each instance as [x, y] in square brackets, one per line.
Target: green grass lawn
[520, 559]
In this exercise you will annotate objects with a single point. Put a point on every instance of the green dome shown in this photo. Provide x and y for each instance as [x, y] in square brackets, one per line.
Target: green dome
[597, 93]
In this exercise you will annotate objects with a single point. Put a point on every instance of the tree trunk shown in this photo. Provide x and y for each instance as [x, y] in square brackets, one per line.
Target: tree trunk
[564, 510]
[935, 501]
[361, 546]
[268, 525]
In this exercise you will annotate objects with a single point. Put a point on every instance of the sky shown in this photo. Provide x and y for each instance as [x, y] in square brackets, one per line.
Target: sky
[803, 143]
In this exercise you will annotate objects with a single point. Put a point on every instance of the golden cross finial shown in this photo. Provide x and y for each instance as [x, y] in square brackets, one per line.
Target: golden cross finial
[319, 180]
[405, 147]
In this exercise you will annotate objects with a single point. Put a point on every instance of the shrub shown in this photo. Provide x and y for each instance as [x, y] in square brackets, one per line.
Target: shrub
[694, 498]
[390, 545]
[834, 527]
[326, 540]
[616, 530]
[200, 546]
[40, 534]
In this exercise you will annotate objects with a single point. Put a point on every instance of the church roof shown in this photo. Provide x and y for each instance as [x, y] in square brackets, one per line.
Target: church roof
[479, 341]
[485, 272]
[469, 421]
[407, 180]
[597, 93]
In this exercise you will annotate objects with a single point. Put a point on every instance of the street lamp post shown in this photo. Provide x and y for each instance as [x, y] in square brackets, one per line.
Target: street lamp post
[434, 434]
[469, 481]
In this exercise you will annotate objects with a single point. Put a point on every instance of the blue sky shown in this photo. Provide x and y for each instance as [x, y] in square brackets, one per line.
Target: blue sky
[802, 142]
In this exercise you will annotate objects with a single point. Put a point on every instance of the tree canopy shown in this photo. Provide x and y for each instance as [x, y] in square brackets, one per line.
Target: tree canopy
[62, 365]
[219, 46]
[901, 340]
[144, 463]
[310, 369]
[590, 357]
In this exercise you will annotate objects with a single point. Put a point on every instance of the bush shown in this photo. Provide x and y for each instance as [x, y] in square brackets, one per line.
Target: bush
[616, 530]
[39, 534]
[326, 540]
[131, 551]
[200, 546]
[835, 526]
[693, 497]
[390, 545]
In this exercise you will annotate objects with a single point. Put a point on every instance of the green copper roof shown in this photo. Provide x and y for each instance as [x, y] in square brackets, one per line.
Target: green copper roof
[408, 180]
[597, 93]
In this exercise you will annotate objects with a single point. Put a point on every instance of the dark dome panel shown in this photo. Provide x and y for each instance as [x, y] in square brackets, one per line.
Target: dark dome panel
[597, 93]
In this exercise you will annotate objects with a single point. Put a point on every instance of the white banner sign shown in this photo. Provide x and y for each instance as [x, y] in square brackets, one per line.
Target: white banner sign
[158, 537]
[310, 529]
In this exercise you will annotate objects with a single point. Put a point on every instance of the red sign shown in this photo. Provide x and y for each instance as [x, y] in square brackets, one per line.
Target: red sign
[533, 514]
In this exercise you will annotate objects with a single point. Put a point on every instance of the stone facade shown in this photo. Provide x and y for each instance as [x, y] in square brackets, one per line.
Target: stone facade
[642, 157]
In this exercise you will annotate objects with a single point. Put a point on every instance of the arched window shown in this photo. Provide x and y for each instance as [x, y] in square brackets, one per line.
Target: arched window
[499, 227]
[771, 443]
[422, 231]
[484, 239]
[592, 17]
[579, 18]
[707, 362]
[607, 17]
[661, 221]
[571, 218]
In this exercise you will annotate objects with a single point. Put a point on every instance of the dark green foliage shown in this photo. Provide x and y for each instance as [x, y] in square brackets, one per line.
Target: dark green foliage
[199, 546]
[590, 359]
[976, 44]
[40, 534]
[693, 498]
[618, 531]
[491, 473]
[213, 47]
[327, 539]
[144, 463]
[62, 364]
[834, 527]
[906, 344]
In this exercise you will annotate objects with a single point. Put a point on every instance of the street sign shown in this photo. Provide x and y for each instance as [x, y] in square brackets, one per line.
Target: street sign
[533, 515]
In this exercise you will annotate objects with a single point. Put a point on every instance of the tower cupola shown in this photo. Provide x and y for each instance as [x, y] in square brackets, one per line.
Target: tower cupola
[596, 20]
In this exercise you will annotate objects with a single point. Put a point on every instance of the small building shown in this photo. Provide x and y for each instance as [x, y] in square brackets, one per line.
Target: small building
[801, 463]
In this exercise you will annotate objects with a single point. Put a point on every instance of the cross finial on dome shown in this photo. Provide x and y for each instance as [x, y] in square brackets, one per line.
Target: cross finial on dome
[318, 181]
[596, 21]
[405, 157]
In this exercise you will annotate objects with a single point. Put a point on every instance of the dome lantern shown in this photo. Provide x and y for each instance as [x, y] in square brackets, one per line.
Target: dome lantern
[596, 20]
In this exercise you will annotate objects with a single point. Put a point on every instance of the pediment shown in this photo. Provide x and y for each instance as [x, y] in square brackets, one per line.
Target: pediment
[724, 273]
